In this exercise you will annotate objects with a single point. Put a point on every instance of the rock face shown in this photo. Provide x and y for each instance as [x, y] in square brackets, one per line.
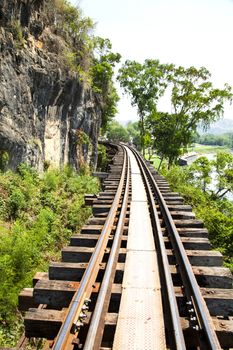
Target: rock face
[43, 106]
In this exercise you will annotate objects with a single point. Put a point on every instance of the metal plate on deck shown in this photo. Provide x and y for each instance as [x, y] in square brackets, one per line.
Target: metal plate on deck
[141, 271]
[138, 189]
[140, 223]
[144, 332]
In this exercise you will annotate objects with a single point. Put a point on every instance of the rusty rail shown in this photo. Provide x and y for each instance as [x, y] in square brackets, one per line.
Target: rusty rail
[94, 336]
[200, 313]
[74, 316]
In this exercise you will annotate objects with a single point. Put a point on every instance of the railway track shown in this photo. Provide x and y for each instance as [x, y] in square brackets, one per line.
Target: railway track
[141, 275]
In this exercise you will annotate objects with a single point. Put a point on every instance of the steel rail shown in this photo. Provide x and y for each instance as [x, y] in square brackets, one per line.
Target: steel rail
[64, 338]
[188, 278]
[95, 332]
[177, 332]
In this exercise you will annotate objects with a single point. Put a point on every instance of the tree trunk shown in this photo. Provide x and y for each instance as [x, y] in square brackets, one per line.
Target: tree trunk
[161, 160]
[223, 194]
[150, 153]
[142, 135]
[170, 161]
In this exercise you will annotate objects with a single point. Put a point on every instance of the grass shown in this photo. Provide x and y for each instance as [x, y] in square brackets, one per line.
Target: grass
[201, 149]
[154, 159]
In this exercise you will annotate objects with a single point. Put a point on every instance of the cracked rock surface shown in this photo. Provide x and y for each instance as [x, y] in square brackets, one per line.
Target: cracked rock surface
[42, 104]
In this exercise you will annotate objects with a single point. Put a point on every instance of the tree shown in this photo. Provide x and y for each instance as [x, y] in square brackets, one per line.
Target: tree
[166, 137]
[145, 83]
[211, 139]
[194, 98]
[194, 101]
[216, 213]
[224, 169]
[102, 78]
[200, 172]
[116, 132]
[134, 133]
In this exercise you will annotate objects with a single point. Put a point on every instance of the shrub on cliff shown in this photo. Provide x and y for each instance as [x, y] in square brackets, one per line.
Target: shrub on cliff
[87, 55]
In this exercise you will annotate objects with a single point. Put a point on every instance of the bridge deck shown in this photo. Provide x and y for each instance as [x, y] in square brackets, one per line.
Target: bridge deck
[140, 323]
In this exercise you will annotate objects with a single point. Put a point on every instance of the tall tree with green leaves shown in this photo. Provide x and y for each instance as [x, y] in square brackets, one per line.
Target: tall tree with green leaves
[102, 72]
[200, 172]
[117, 132]
[145, 83]
[134, 133]
[194, 101]
[224, 169]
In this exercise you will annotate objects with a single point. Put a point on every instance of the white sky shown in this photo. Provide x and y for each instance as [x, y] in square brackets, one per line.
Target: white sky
[184, 32]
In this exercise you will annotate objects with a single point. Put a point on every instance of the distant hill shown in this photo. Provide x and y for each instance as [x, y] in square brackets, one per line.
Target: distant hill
[220, 127]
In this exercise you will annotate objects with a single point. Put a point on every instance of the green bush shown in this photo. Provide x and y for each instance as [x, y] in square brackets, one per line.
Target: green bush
[38, 217]
[17, 32]
[2, 208]
[102, 158]
[16, 201]
[217, 214]
[176, 176]
[51, 180]
[4, 158]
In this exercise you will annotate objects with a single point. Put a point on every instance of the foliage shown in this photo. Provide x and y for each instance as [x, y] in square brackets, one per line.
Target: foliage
[134, 134]
[200, 172]
[17, 33]
[224, 169]
[38, 215]
[4, 158]
[82, 138]
[145, 83]
[217, 214]
[102, 72]
[166, 137]
[116, 132]
[72, 60]
[83, 145]
[129, 133]
[87, 55]
[102, 158]
[69, 22]
[109, 108]
[193, 99]
[215, 140]
[222, 166]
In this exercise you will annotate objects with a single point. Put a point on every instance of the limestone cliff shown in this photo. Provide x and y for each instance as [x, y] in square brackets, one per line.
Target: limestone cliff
[43, 105]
